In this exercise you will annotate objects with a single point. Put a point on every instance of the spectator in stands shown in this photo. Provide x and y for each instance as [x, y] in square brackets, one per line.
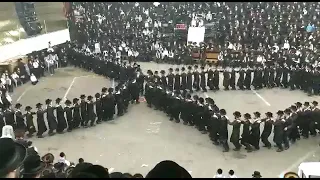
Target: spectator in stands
[231, 174]
[51, 61]
[22, 76]
[256, 174]
[33, 166]
[219, 174]
[12, 156]
[16, 79]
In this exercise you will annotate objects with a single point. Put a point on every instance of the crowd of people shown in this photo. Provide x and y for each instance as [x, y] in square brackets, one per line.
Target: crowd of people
[38, 64]
[169, 94]
[276, 41]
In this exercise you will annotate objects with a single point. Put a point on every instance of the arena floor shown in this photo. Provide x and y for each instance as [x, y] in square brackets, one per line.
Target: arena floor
[143, 137]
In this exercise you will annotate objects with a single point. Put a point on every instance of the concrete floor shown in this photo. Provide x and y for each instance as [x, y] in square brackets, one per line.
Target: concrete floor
[143, 137]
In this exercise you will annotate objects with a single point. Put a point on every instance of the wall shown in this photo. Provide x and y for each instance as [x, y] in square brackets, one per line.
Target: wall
[25, 46]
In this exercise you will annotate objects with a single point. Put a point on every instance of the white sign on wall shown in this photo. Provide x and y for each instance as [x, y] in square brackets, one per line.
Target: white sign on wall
[196, 34]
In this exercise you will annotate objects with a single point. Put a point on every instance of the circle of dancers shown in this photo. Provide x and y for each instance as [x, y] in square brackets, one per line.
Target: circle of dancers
[172, 94]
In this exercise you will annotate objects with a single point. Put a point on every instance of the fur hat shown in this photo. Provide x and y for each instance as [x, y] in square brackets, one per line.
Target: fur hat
[89, 170]
[168, 169]
[33, 164]
[12, 155]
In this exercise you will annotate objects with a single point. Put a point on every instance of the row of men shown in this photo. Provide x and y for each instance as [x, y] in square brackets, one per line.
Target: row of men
[83, 112]
[202, 113]
[306, 79]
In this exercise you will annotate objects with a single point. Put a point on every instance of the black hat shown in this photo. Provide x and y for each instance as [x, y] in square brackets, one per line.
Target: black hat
[280, 112]
[258, 114]
[170, 69]
[89, 170]
[104, 89]
[223, 112]
[195, 66]
[110, 90]
[162, 71]
[28, 108]
[315, 103]
[168, 169]
[82, 96]
[33, 164]
[12, 155]
[202, 67]
[189, 67]
[293, 107]
[177, 69]
[75, 100]
[237, 114]
[18, 105]
[38, 105]
[156, 72]
[287, 110]
[299, 104]
[58, 100]
[97, 95]
[256, 174]
[183, 69]
[68, 102]
[269, 114]
[247, 115]
[89, 98]
[48, 101]
[306, 103]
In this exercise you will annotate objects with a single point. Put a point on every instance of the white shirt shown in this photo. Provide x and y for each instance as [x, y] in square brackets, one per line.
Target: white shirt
[286, 45]
[136, 54]
[259, 59]
[130, 53]
[35, 64]
[63, 160]
[218, 176]
[14, 76]
[233, 176]
[33, 78]
[230, 46]
[193, 23]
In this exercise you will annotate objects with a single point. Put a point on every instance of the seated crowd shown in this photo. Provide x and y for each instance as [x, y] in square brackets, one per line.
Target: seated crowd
[246, 31]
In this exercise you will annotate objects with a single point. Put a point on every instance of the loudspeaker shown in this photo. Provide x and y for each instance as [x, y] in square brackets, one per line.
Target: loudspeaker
[27, 16]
